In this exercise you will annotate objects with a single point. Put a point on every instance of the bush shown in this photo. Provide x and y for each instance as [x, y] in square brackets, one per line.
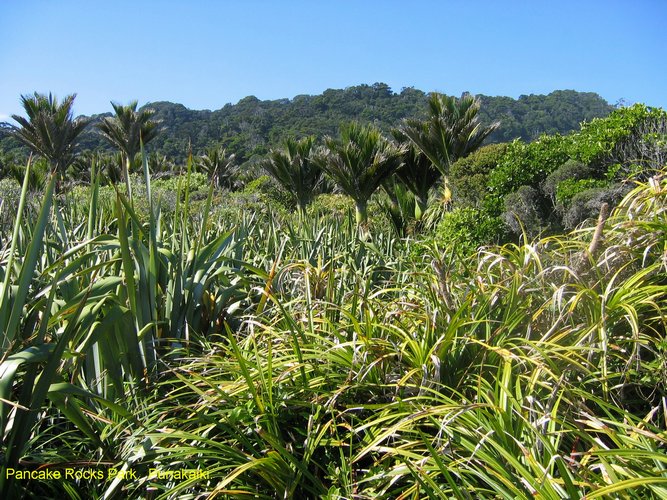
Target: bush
[266, 190]
[528, 164]
[587, 204]
[10, 194]
[524, 212]
[331, 205]
[469, 176]
[570, 170]
[631, 135]
[468, 228]
[569, 188]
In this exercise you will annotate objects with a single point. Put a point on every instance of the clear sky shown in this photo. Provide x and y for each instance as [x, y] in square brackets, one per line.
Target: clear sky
[205, 54]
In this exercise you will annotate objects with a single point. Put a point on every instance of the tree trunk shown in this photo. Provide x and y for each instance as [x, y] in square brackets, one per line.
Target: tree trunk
[127, 178]
[361, 212]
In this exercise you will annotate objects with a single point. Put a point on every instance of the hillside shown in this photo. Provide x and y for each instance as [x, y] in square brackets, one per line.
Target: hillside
[251, 126]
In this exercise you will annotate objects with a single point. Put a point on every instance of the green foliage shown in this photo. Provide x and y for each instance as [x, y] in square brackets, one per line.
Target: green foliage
[252, 127]
[295, 170]
[328, 205]
[571, 170]
[586, 204]
[571, 173]
[569, 188]
[613, 140]
[451, 131]
[219, 166]
[359, 162]
[417, 173]
[531, 116]
[528, 164]
[265, 190]
[466, 229]
[127, 131]
[10, 193]
[285, 356]
[469, 175]
[401, 207]
[524, 212]
[301, 361]
[50, 130]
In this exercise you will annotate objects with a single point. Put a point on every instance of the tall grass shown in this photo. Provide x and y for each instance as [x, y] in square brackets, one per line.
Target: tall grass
[292, 359]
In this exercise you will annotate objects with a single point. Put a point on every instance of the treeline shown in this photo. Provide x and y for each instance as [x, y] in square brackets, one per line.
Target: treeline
[250, 128]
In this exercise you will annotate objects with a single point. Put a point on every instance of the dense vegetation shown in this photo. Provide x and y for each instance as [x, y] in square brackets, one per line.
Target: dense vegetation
[251, 127]
[259, 332]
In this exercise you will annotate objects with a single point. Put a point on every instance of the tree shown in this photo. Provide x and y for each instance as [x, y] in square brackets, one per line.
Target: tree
[418, 173]
[451, 131]
[50, 129]
[295, 170]
[359, 163]
[126, 131]
[219, 166]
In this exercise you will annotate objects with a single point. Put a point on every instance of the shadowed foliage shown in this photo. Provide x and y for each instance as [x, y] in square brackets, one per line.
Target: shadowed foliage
[219, 166]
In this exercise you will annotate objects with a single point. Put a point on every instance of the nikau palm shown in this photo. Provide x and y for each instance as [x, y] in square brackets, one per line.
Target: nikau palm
[417, 173]
[359, 163]
[126, 131]
[451, 131]
[50, 129]
[219, 166]
[295, 169]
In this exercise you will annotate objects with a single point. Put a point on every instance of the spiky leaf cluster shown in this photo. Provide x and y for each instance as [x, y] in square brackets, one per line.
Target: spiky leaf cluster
[452, 130]
[360, 161]
[128, 128]
[295, 169]
[50, 130]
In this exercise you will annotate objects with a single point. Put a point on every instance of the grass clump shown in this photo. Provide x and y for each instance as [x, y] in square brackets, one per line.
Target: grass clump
[288, 357]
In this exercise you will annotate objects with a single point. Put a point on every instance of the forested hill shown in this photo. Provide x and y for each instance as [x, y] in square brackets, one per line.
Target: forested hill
[252, 126]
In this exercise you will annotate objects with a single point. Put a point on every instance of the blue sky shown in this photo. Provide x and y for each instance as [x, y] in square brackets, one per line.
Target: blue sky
[205, 54]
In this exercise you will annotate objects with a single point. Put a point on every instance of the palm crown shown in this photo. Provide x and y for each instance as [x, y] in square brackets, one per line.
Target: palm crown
[219, 166]
[50, 129]
[127, 130]
[452, 130]
[295, 169]
[359, 162]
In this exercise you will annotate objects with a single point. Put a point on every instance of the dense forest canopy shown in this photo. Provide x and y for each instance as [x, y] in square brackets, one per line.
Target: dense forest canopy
[252, 126]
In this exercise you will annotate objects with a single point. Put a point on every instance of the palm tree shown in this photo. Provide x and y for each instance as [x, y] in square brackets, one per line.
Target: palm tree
[219, 166]
[359, 163]
[295, 169]
[451, 131]
[159, 165]
[50, 129]
[418, 173]
[126, 131]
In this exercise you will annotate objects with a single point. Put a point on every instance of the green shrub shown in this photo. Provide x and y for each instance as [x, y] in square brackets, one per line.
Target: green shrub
[630, 135]
[331, 205]
[266, 190]
[10, 194]
[468, 228]
[528, 164]
[469, 176]
[586, 204]
[569, 188]
[571, 169]
[524, 212]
